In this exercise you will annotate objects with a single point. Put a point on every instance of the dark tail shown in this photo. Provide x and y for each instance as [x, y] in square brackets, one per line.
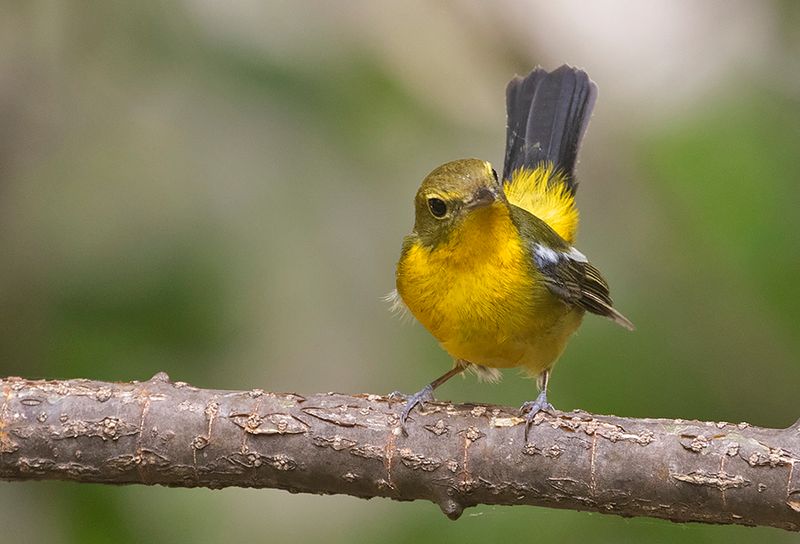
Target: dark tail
[547, 116]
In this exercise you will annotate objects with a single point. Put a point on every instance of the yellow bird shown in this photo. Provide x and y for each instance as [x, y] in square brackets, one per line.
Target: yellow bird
[490, 269]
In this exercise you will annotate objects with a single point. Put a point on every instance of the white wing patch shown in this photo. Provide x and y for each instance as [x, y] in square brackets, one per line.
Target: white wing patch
[576, 255]
[544, 255]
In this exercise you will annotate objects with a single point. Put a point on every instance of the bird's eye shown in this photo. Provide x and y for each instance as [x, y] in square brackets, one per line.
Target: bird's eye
[438, 207]
[494, 174]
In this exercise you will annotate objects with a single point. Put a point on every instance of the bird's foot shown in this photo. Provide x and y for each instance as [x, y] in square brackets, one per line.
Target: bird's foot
[418, 398]
[533, 407]
[396, 395]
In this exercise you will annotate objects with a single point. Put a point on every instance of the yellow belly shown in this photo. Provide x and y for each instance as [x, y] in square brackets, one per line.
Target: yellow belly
[476, 294]
[536, 348]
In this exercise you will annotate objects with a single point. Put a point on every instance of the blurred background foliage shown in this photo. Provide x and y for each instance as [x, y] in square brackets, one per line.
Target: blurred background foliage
[219, 190]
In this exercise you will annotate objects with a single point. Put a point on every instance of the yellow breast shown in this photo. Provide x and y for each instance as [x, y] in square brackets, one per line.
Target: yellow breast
[476, 293]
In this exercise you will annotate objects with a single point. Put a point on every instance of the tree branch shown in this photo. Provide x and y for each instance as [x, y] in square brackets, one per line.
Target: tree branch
[159, 432]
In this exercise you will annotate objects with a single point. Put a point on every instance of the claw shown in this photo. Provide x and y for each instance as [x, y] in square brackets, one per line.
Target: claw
[533, 407]
[420, 397]
[426, 395]
[396, 395]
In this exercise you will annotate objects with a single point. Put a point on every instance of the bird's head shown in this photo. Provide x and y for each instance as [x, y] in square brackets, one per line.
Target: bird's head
[453, 192]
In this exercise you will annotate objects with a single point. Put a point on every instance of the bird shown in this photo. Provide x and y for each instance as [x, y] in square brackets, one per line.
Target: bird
[490, 269]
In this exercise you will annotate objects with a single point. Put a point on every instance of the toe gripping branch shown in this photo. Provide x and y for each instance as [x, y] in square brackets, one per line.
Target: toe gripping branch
[418, 398]
[426, 393]
[530, 408]
[533, 407]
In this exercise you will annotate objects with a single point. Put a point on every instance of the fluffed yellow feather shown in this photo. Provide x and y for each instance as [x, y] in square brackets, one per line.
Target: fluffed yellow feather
[543, 193]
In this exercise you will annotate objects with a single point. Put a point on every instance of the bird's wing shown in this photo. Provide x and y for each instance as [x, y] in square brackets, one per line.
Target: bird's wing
[569, 276]
[565, 271]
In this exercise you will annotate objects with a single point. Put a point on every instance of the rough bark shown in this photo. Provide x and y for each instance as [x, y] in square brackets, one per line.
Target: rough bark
[159, 432]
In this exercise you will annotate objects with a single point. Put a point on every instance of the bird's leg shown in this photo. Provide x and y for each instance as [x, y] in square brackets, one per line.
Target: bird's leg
[426, 394]
[533, 407]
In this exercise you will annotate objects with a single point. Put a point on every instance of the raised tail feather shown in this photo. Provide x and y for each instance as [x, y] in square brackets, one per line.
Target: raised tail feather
[547, 116]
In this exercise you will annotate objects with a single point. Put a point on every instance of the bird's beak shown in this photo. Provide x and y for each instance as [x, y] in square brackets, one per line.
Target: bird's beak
[484, 196]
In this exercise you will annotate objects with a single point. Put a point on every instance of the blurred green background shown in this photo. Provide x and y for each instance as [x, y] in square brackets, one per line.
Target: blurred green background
[218, 190]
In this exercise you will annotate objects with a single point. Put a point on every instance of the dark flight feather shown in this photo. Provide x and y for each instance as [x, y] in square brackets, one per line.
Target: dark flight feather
[580, 283]
[547, 116]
